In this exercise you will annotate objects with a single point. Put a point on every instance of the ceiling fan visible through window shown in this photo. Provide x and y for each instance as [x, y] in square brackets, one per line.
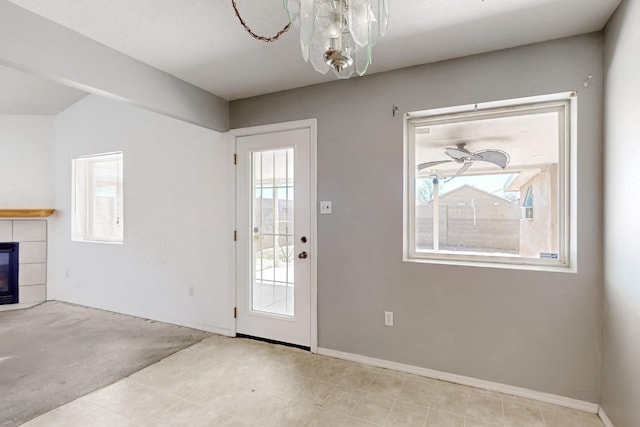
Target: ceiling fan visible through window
[466, 158]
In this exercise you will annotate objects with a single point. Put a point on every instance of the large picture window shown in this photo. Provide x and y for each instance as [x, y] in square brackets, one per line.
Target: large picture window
[97, 211]
[490, 183]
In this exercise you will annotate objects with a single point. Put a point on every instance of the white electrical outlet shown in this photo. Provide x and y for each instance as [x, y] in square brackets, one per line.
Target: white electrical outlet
[388, 318]
[325, 207]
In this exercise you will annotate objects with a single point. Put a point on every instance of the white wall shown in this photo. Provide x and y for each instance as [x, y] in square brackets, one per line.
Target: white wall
[621, 328]
[26, 169]
[178, 218]
[537, 330]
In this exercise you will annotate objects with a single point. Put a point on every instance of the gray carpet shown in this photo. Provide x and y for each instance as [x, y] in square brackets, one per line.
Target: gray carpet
[55, 352]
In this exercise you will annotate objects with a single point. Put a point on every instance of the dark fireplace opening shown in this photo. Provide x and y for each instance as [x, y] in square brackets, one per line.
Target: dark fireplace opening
[8, 273]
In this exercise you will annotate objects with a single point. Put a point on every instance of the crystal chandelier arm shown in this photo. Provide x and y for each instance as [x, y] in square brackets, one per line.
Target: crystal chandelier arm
[308, 16]
[293, 11]
[257, 36]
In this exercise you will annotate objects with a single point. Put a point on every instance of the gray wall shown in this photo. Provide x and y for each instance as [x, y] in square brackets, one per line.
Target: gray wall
[538, 330]
[621, 329]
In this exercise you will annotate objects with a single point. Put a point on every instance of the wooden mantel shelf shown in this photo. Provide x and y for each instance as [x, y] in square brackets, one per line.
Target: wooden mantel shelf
[26, 213]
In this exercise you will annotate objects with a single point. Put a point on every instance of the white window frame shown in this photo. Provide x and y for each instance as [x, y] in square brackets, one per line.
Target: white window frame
[82, 206]
[567, 256]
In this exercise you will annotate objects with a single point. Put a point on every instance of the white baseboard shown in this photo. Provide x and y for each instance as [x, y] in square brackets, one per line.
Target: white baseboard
[468, 381]
[606, 421]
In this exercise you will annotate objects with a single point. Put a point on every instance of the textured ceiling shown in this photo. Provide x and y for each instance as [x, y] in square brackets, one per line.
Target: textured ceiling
[201, 41]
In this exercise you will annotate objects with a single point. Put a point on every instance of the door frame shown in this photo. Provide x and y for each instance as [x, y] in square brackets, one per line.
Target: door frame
[310, 124]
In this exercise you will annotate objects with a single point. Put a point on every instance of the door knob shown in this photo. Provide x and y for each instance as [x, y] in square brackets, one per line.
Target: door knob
[302, 255]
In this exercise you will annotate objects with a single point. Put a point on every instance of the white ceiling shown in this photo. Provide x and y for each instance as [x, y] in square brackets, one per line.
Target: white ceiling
[202, 42]
[24, 93]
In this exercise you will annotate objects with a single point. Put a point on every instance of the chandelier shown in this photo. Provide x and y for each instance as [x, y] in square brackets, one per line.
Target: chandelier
[338, 34]
[334, 34]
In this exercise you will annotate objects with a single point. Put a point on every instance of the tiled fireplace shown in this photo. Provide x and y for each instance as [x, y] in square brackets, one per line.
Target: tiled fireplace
[31, 236]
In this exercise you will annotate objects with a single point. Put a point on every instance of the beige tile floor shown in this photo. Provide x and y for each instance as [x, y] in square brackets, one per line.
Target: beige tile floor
[236, 382]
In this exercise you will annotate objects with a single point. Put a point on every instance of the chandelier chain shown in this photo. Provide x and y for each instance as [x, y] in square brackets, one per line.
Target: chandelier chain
[257, 36]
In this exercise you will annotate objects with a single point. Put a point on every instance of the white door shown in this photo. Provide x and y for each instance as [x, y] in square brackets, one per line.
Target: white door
[275, 235]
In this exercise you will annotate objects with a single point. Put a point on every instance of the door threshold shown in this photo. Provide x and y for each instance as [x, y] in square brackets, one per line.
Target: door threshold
[270, 341]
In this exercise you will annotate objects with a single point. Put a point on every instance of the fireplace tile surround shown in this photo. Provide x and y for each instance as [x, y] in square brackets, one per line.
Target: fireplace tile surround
[31, 234]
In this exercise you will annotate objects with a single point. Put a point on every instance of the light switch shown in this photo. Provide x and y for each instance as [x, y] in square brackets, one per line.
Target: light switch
[325, 207]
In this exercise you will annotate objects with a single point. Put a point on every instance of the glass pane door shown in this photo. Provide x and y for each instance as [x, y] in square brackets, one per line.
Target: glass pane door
[275, 258]
[272, 225]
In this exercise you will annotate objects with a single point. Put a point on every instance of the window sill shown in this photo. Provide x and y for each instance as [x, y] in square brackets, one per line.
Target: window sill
[106, 242]
[498, 265]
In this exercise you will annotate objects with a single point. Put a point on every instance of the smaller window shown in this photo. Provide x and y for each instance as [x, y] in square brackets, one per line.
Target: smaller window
[97, 202]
